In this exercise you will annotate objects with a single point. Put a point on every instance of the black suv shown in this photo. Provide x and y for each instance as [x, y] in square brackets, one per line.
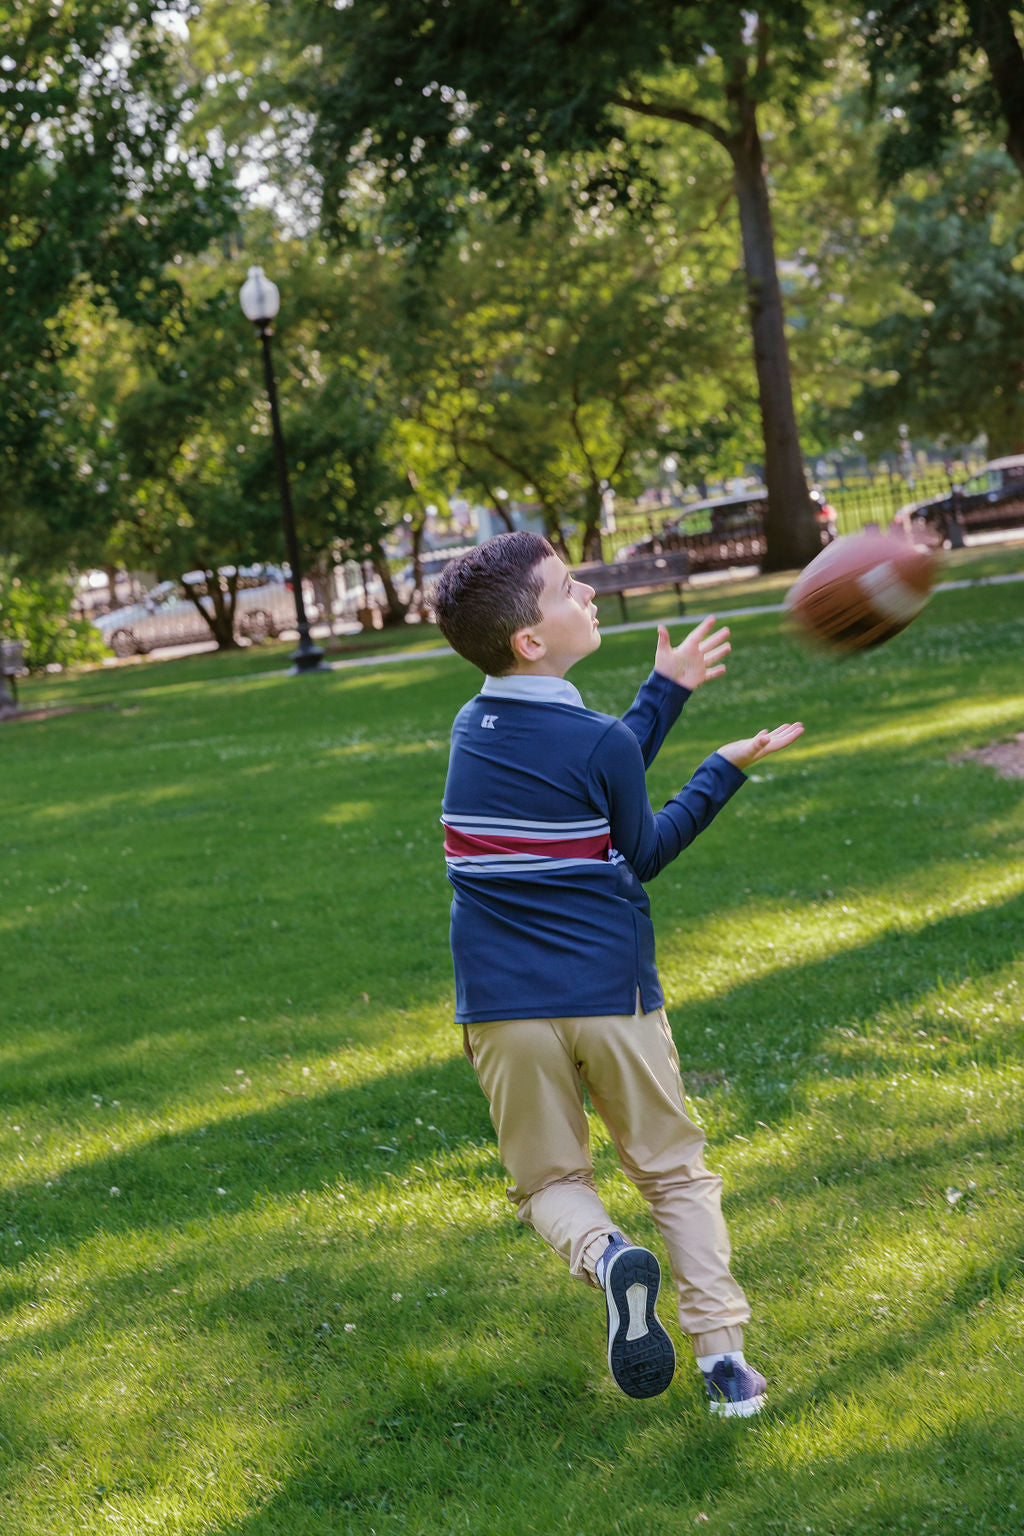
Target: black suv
[722, 531]
[990, 500]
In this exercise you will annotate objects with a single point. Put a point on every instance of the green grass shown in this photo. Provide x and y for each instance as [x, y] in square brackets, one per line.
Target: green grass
[257, 1271]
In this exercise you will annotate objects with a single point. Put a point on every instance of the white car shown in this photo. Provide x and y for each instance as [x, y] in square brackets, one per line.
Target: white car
[264, 607]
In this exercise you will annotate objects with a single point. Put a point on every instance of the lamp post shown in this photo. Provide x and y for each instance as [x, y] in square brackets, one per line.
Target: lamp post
[260, 302]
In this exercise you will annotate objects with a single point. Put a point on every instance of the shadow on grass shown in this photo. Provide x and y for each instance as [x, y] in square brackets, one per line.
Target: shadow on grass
[311, 1141]
[815, 998]
[483, 1405]
[357, 1133]
[354, 1135]
[437, 1415]
[468, 1431]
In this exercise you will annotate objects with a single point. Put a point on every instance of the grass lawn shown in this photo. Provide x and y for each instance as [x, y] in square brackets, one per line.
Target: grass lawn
[257, 1271]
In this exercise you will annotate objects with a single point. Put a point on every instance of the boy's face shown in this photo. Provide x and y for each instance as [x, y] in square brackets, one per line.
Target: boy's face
[567, 630]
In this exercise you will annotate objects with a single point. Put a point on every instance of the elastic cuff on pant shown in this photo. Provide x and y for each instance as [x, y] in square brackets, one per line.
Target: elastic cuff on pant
[721, 1342]
[585, 1267]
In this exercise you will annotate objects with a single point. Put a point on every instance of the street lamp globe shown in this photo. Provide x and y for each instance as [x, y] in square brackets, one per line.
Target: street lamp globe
[259, 297]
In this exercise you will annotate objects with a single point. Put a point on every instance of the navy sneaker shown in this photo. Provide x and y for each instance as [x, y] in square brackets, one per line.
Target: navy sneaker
[735, 1389]
[640, 1354]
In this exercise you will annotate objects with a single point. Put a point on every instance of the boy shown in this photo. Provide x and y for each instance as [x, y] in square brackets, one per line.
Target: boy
[548, 834]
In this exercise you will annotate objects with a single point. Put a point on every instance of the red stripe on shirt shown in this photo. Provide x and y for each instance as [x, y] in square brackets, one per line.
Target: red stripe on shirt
[466, 845]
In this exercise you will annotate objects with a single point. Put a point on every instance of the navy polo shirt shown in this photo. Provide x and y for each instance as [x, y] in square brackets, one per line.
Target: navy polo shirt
[549, 838]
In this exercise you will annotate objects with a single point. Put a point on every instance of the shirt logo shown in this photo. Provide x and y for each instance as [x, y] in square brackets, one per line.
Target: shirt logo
[487, 723]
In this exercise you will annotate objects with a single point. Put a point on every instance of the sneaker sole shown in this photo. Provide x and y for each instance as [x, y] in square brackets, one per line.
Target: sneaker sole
[640, 1353]
[744, 1409]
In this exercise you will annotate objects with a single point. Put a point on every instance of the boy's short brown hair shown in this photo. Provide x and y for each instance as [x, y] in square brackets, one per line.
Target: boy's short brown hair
[484, 596]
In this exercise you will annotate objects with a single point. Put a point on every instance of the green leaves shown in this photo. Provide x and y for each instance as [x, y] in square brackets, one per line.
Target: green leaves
[950, 343]
[101, 185]
[939, 69]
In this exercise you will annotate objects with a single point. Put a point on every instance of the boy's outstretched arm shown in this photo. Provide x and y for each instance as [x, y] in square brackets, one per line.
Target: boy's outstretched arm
[689, 664]
[696, 659]
[649, 839]
[743, 753]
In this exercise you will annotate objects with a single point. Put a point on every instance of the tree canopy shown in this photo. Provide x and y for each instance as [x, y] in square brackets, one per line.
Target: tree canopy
[102, 188]
[534, 249]
[941, 352]
[423, 104]
[938, 66]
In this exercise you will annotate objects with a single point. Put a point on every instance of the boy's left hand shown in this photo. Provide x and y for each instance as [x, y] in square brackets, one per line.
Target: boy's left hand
[697, 659]
[743, 754]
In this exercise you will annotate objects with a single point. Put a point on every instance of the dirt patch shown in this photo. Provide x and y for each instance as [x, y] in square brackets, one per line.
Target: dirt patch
[43, 712]
[1006, 757]
[702, 1082]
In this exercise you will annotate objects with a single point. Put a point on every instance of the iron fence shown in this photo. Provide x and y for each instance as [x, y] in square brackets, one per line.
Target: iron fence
[861, 501]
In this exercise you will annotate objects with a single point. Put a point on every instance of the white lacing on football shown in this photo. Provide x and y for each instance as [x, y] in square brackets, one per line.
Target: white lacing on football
[889, 595]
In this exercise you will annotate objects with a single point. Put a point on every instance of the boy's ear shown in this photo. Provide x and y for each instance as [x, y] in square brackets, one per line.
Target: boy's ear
[528, 645]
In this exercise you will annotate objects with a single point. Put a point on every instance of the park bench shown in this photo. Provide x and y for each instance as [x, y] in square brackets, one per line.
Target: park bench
[12, 666]
[644, 573]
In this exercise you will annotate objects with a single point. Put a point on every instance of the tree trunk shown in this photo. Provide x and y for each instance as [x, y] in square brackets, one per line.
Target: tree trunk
[553, 529]
[993, 29]
[320, 580]
[220, 615]
[396, 610]
[791, 531]
[322, 577]
[593, 507]
[417, 530]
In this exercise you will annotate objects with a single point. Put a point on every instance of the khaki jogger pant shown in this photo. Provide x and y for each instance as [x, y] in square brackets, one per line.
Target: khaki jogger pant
[533, 1072]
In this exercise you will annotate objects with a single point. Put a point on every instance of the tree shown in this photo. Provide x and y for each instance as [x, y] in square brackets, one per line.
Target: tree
[354, 453]
[559, 364]
[101, 184]
[162, 456]
[187, 450]
[348, 483]
[938, 66]
[422, 104]
[947, 357]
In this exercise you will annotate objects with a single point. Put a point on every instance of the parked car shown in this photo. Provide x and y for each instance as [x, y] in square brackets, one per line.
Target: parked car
[716, 532]
[165, 616]
[987, 501]
[723, 531]
[719, 532]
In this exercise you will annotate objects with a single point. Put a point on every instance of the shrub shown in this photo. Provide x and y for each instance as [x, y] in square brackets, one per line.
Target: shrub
[37, 610]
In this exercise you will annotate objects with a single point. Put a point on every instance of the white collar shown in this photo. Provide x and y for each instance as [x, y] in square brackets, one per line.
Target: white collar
[533, 688]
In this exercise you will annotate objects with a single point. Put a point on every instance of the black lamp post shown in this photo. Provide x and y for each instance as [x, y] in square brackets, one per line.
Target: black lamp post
[260, 302]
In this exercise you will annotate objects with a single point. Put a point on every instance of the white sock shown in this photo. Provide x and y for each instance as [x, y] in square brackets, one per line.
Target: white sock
[708, 1362]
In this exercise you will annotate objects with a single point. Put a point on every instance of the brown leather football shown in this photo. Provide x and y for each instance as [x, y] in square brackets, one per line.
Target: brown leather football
[861, 590]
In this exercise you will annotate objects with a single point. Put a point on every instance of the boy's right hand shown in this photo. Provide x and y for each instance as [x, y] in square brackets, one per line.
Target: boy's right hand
[743, 753]
[700, 657]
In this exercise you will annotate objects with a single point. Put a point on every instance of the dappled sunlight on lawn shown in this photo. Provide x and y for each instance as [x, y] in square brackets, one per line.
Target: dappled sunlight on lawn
[245, 1337]
[771, 936]
[346, 811]
[258, 1272]
[109, 802]
[946, 718]
[844, 1128]
[232, 1101]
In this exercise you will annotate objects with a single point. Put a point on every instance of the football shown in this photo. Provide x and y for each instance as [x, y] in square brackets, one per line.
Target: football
[861, 590]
